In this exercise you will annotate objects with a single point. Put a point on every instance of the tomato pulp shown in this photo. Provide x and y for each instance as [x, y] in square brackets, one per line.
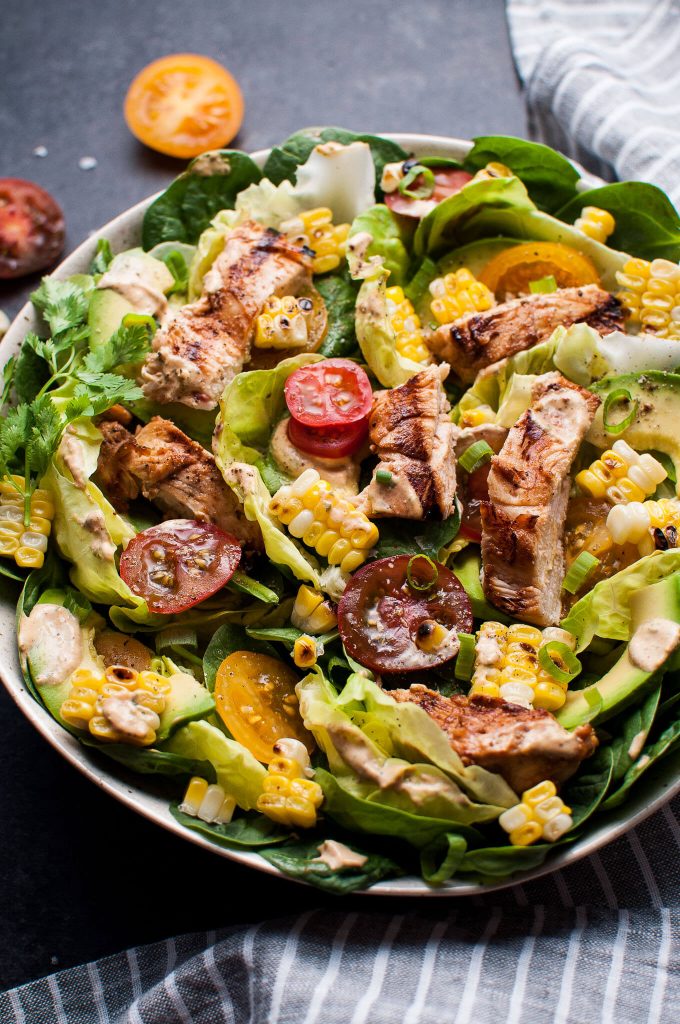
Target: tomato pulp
[447, 181]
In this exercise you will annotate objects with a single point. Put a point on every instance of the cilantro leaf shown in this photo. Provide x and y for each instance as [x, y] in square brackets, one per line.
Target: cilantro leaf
[8, 372]
[15, 430]
[62, 303]
[127, 345]
[46, 430]
[102, 258]
[30, 372]
[102, 390]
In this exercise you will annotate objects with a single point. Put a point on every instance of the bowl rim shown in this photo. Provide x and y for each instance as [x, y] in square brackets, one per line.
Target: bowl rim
[127, 788]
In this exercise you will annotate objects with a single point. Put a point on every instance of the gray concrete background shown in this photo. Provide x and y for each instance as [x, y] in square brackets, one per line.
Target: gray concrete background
[81, 876]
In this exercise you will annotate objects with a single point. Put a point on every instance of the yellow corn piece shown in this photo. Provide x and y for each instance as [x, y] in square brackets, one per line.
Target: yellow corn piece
[283, 322]
[119, 705]
[595, 223]
[288, 797]
[324, 521]
[651, 294]
[507, 665]
[405, 322]
[315, 230]
[474, 417]
[541, 814]
[651, 525]
[458, 293]
[621, 475]
[210, 803]
[26, 545]
[312, 613]
[304, 651]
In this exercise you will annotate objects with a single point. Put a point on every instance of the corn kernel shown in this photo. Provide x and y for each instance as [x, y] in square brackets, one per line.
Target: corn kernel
[651, 294]
[315, 230]
[27, 546]
[621, 475]
[305, 652]
[458, 293]
[541, 814]
[409, 339]
[284, 322]
[311, 612]
[633, 523]
[595, 223]
[288, 798]
[507, 665]
[87, 705]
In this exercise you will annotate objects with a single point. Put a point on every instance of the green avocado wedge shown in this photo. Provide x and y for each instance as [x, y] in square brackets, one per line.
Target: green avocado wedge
[187, 701]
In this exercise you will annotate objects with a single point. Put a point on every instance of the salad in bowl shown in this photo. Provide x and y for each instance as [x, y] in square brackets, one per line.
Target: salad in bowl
[343, 505]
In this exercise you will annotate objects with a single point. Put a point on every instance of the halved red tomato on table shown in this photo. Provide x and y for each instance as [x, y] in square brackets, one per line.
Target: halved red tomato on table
[447, 181]
[402, 613]
[179, 563]
[31, 228]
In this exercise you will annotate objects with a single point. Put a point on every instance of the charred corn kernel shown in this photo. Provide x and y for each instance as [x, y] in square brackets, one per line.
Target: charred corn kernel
[305, 651]
[288, 797]
[621, 475]
[458, 293]
[312, 613]
[119, 705]
[474, 417]
[595, 223]
[26, 545]
[405, 322]
[541, 814]
[651, 525]
[284, 322]
[346, 534]
[431, 635]
[507, 665]
[651, 294]
[315, 230]
[493, 170]
[210, 803]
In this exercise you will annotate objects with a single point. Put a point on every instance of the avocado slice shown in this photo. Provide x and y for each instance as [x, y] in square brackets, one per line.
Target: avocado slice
[656, 636]
[107, 309]
[108, 306]
[187, 700]
[655, 427]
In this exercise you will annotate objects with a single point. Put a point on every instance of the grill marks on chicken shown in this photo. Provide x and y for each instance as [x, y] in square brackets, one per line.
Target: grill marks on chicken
[414, 438]
[524, 745]
[523, 520]
[173, 471]
[479, 339]
[208, 342]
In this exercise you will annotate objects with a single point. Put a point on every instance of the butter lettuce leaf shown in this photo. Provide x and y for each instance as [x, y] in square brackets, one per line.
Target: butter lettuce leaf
[382, 226]
[237, 771]
[376, 337]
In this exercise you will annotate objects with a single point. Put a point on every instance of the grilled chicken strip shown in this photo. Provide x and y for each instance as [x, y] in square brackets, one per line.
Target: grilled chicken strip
[208, 342]
[478, 339]
[412, 435]
[174, 472]
[524, 745]
[523, 520]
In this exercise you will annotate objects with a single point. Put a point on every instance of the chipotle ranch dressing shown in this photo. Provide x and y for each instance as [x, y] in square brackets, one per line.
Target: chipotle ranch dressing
[58, 631]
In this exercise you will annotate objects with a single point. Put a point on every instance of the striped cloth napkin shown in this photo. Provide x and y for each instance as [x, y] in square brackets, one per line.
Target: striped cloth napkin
[596, 942]
[602, 81]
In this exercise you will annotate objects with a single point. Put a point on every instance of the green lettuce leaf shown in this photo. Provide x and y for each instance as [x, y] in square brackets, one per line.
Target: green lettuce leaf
[376, 337]
[382, 226]
[248, 831]
[549, 177]
[339, 293]
[300, 860]
[237, 771]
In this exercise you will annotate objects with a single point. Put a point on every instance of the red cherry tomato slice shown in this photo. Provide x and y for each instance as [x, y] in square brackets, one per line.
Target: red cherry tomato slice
[380, 614]
[328, 443]
[178, 563]
[474, 490]
[333, 393]
[31, 228]
[447, 181]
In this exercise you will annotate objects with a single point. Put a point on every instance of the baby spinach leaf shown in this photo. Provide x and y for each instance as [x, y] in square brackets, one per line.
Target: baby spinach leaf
[152, 762]
[404, 537]
[227, 639]
[440, 860]
[284, 160]
[496, 862]
[585, 793]
[249, 830]
[665, 744]
[631, 732]
[245, 584]
[6, 571]
[647, 223]
[299, 860]
[210, 183]
[549, 177]
[340, 295]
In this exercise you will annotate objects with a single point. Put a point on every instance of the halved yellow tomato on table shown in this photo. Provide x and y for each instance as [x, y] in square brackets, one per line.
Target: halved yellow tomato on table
[255, 698]
[511, 272]
[183, 105]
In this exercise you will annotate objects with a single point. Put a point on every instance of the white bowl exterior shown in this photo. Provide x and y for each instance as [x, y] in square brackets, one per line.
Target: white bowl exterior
[136, 792]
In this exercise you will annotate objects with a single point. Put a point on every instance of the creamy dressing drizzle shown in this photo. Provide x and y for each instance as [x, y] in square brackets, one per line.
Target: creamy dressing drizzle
[339, 857]
[57, 632]
[652, 642]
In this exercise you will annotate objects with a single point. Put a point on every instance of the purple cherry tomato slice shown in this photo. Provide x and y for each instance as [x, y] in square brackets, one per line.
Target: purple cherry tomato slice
[381, 612]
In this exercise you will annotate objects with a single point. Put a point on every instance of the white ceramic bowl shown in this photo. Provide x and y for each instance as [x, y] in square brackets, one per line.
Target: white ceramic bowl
[138, 791]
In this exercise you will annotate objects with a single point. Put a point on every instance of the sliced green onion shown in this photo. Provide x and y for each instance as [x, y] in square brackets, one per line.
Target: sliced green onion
[245, 584]
[176, 636]
[579, 570]
[425, 584]
[423, 191]
[475, 456]
[465, 661]
[135, 319]
[565, 655]
[620, 395]
[383, 476]
[544, 285]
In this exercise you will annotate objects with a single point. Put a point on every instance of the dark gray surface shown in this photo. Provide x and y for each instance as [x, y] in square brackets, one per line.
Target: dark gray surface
[81, 876]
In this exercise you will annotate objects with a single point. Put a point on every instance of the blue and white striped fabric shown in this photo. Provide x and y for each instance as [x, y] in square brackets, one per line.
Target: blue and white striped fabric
[602, 80]
[597, 943]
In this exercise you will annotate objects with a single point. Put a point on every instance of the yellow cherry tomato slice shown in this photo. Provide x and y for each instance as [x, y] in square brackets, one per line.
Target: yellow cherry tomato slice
[255, 698]
[510, 273]
[183, 105]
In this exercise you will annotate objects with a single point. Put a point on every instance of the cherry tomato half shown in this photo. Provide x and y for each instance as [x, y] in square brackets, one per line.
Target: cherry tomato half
[178, 563]
[31, 228]
[255, 698]
[183, 105]
[333, 393]
[328, 443]
[384, 619]
[447, 181]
